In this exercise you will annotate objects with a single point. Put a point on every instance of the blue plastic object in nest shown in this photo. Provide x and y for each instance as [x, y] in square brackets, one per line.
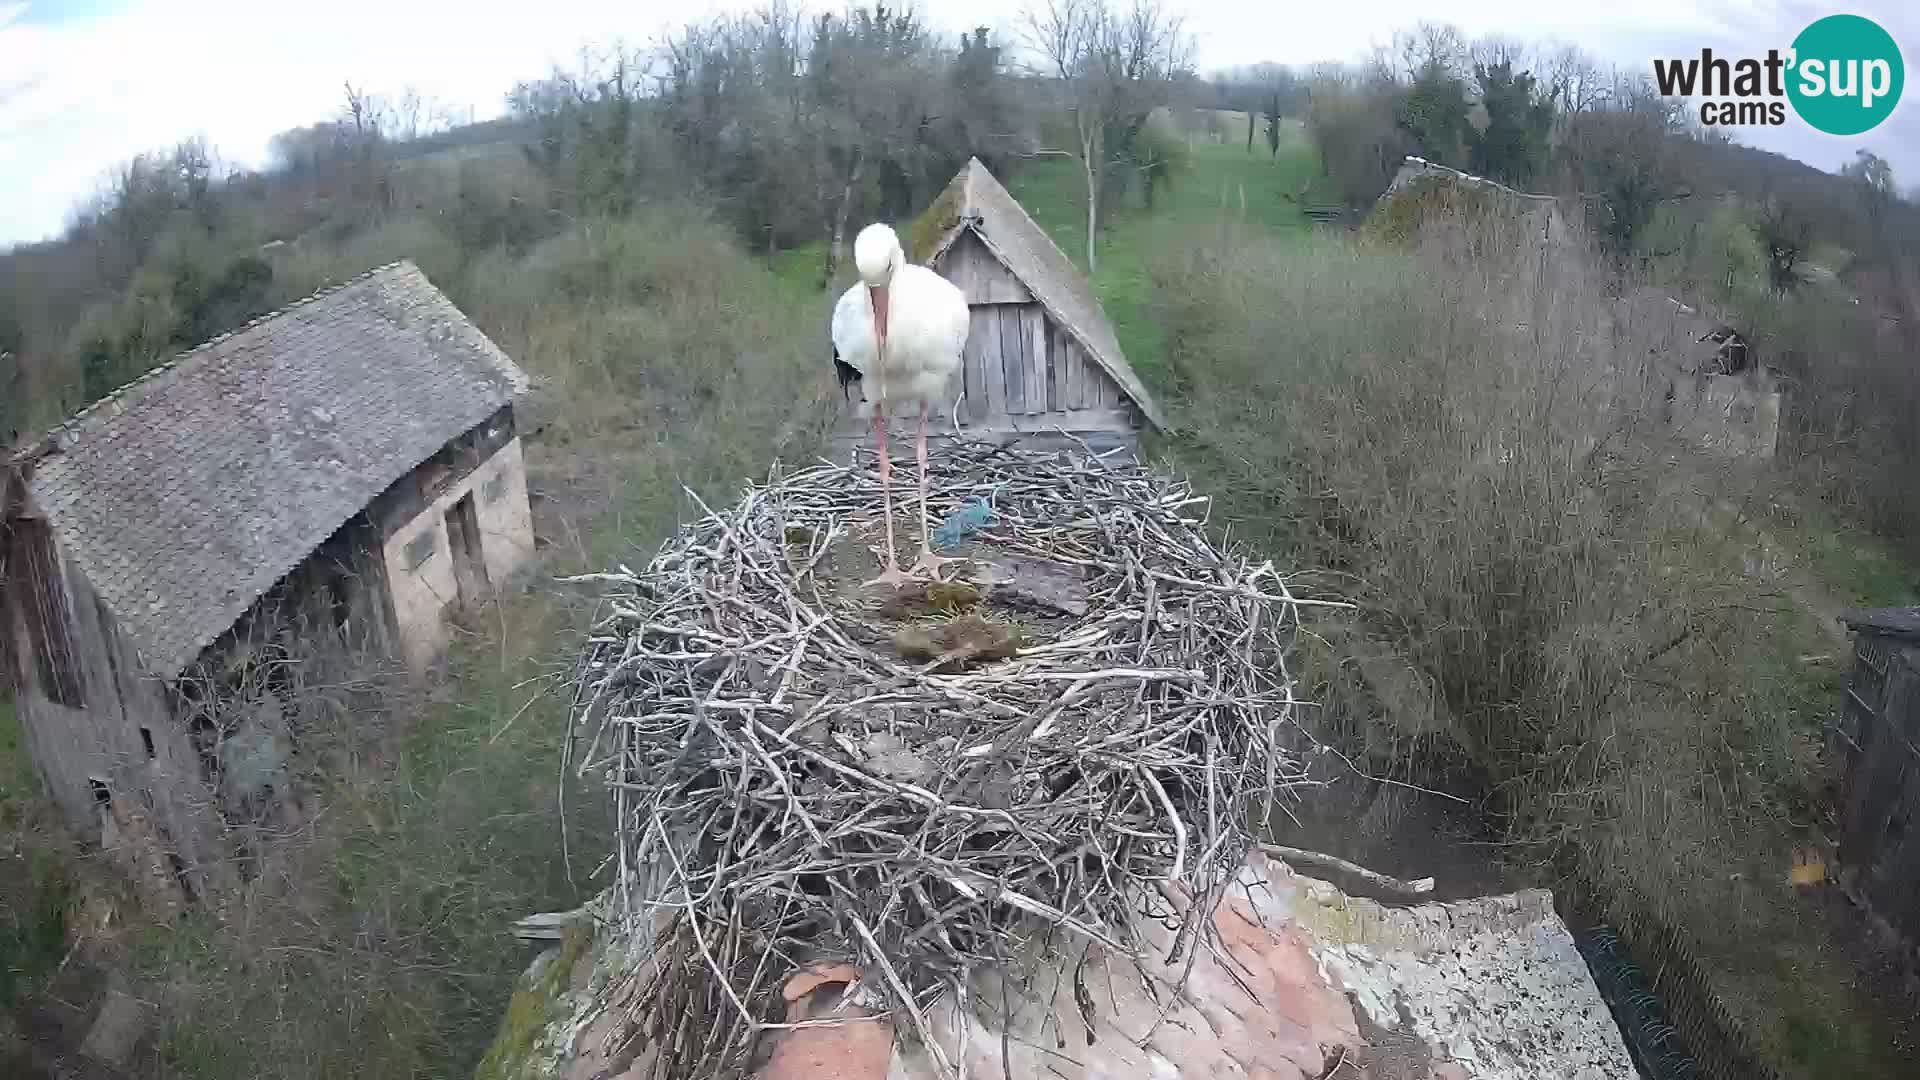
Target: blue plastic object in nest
[964, 522]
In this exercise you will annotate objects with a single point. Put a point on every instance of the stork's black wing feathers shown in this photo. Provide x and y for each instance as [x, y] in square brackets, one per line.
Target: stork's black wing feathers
[846, 373]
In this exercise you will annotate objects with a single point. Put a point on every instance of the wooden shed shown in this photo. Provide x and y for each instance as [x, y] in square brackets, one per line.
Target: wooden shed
[1041, 357]
[1878, 743]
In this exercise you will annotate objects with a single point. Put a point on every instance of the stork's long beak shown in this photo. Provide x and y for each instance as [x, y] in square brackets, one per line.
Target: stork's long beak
[878, 294]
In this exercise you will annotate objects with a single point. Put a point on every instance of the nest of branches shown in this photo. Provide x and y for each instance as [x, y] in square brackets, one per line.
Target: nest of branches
[789, 790]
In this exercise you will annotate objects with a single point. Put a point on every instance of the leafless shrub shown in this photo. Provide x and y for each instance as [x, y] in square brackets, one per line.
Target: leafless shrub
[1469, 437]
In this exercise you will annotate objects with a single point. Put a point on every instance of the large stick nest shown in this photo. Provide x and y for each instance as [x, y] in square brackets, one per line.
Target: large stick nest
[790, 789]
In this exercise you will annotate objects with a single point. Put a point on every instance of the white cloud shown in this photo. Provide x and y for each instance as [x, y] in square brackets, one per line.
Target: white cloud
[83, 89]
[86, 92]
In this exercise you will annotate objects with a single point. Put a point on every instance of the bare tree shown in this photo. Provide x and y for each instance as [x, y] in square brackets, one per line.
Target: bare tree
[1494, 50]
[1430, 46]
[1573, 79]
[1111, 68]
[873, 77]
[414, 115]
[365, 113]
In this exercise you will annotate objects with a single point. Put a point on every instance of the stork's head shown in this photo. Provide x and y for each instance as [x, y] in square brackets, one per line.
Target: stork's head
[877, 254]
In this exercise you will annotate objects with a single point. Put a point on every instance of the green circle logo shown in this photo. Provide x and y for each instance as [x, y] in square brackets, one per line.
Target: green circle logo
[1846, 76]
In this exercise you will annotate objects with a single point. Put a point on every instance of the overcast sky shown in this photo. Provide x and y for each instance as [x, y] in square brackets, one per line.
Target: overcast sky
[87, 83]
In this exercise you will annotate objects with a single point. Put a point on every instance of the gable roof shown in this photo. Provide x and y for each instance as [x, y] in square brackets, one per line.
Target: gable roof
[976, 201]
[186, 495]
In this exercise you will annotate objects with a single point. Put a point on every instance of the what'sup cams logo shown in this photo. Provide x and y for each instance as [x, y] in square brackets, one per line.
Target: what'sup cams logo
[1843, 75]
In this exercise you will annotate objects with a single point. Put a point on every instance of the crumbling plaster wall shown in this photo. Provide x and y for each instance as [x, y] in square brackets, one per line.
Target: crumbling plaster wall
[418, 557]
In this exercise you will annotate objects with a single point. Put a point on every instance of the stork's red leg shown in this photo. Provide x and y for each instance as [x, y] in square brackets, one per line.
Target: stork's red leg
[929, 563]
[892, 574]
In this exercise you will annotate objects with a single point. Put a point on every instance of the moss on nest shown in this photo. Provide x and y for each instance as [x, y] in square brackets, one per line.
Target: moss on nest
[534, 1006]
[952, 597]
[958, 642]
[916, 598]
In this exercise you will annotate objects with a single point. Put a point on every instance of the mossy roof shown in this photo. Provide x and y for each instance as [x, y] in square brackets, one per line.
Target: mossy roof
[976, 201]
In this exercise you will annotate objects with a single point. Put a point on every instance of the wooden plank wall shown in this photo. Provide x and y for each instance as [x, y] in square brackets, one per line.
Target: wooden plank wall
[116, 746]
[1880, 801]
[983, 278]
[1021, 373]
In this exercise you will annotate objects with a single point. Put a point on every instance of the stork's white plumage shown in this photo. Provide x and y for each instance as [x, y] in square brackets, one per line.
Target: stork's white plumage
[898, 337]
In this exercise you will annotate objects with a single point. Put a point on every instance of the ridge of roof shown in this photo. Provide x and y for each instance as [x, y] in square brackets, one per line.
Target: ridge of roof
[69, 426]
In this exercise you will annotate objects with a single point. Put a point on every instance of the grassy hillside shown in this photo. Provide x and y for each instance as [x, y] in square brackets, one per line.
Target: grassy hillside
[1221, 191]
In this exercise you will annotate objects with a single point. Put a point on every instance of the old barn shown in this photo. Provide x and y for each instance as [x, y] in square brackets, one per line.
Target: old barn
[346, 467]
[1041, 356]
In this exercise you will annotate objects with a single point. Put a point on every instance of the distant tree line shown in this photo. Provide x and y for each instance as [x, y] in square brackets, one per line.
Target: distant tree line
[1553, 119]
[1490, 107]
[797, 126]
[793, 126]
[1685, 207]
[790, 129]
[169, 252]
[1266, 93]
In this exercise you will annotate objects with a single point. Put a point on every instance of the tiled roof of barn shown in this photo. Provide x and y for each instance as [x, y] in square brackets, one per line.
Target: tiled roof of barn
[978, 201]
[186, 495]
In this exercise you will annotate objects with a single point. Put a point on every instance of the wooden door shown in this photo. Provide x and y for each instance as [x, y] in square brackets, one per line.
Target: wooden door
[463, 543]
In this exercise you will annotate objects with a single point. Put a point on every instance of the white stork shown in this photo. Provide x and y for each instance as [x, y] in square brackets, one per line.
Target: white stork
[899, 334]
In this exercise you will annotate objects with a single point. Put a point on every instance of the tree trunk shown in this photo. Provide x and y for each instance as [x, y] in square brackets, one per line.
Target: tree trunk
[837, 235]
[1090, 156]
[1093, 219]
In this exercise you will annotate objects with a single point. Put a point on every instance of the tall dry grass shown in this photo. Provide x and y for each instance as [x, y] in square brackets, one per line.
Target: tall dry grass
[1467, 439]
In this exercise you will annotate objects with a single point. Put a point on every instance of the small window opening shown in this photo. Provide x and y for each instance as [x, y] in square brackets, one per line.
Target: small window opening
[102, 794]
[146, 740]
[418, 550]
